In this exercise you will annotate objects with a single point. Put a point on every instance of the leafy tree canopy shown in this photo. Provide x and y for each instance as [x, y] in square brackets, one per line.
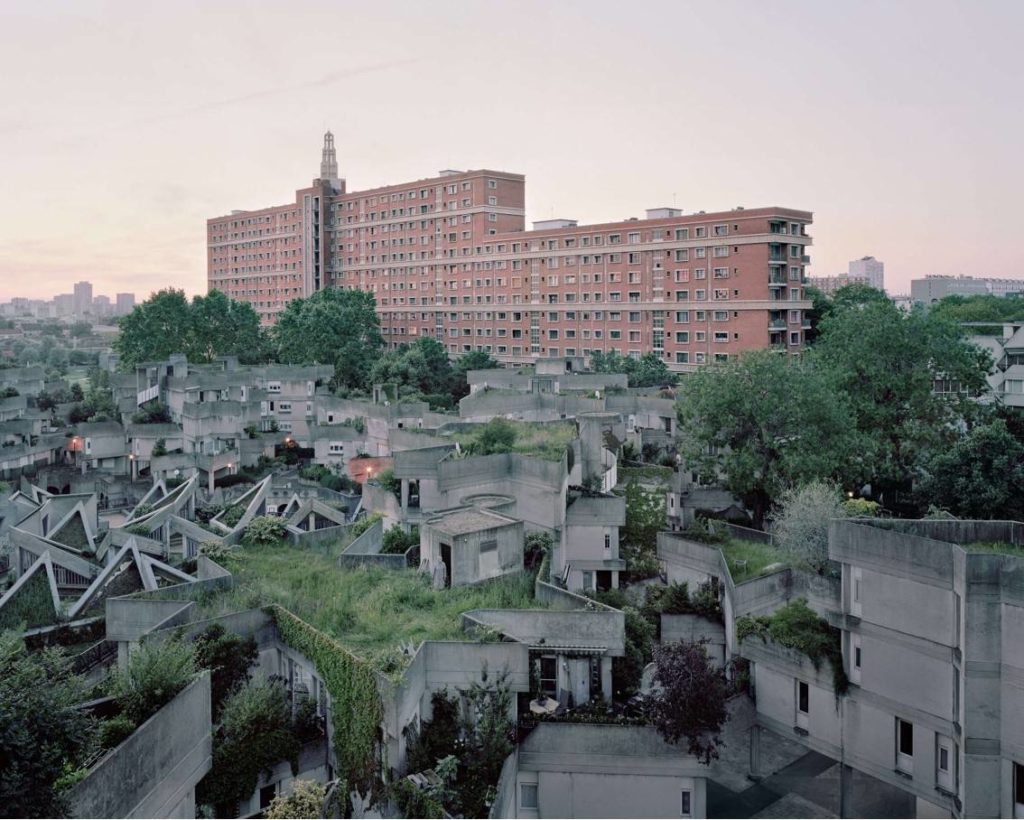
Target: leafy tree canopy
[209, 326]
[690, 700]
[647, 371]
[41, 731]
[332, 326]
[761, 423]
[980, 476]
[886, 362]
[980, 308]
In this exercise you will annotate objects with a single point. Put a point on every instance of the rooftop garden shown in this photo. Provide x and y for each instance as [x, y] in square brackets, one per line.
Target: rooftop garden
[796, 626]
[545, 441]
[745, 559]
[371, 611]
[995, 548]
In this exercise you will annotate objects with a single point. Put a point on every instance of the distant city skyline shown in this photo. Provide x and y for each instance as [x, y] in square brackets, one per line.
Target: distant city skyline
[900, 152]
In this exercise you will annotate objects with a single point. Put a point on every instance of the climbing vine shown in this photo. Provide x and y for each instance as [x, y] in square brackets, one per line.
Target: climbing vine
[356, 710]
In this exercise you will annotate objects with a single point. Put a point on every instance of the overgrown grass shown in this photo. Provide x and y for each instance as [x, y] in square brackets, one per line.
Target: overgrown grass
[371, 611]
[649, 473]
[747, 559]
[546, 441]
[995, 548]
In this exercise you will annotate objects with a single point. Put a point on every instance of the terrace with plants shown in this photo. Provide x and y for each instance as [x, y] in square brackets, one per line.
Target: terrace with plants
[546, 441]
[375, 613]
[746, 559]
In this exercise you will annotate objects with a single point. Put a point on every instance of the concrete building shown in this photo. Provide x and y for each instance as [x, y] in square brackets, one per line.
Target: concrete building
[935, 287]
[469, 545]
[124, 304]
[82, 303]
[926, 618]
[1006, 381]
[449, 258]
[868, 269]
[587, 770]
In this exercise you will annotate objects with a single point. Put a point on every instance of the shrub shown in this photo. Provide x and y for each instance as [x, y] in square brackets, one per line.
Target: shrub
[412, 801]
[705, 531]
[363, 524]
[690, 700]
[306, 800]
[860, 508]
[233, 514]
[255, 734]
[266, 529]
[314, 472]
[160, 447]
[155, 674]
[114, 731]
[802, 519]
[497, 436]
[796, 626]
[229, 657]
[397, 541]
[386, 479]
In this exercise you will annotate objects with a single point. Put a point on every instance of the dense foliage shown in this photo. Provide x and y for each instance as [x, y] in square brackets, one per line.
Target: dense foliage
[758, 423]
[648, 370]
[254, 735]
[333, 326]
[306, 799]
[796, 626]
[202, 329]
[42, 734]
[802, 518]
[688, 701]
[155, 674]
[229, 658]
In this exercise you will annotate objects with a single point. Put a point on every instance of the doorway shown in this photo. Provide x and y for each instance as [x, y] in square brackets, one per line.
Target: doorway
[446, 559]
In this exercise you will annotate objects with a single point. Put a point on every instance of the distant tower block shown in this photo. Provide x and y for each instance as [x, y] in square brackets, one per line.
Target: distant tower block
[329, 161]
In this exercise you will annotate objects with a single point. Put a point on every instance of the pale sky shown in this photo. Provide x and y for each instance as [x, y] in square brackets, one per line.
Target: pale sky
[125, 125]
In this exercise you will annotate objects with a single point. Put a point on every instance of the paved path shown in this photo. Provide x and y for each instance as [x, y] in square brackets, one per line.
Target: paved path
[723, 802]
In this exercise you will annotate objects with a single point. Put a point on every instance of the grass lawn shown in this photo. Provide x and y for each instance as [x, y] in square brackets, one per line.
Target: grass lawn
[747, 559]
[996, 548]
[546, 441]
[372, 611]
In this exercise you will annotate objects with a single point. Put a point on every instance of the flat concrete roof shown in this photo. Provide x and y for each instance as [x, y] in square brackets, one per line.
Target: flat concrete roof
[469, 519]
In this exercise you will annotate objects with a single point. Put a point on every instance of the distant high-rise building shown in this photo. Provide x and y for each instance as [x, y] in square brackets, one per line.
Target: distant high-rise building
[64, 304]
[830, 284]
[450, 258]
[125, 303]
[82, 303]
[868, 269]
[933, 288]
[101, 306]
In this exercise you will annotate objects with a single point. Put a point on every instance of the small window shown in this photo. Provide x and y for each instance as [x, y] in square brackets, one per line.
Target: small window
[1018, 789]
[685, 808]
[528, 795]
[267, 794]
[804, 693]
[904, 746]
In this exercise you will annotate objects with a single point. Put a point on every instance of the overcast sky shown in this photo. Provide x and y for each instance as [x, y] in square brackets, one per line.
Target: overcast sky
[125, 125]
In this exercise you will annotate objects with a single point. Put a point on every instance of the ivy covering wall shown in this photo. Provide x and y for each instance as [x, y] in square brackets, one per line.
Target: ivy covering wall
[356, 710]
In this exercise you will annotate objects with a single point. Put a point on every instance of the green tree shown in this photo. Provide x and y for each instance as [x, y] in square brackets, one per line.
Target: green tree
[689, 699]
[209, 326]
[645, 516]
[857, 295]
[886, 362]
[759, 422]
[476, 360]
[42, 733]
[332, 326]
[420, 370]
[229, 657]
[802, 518]
[255, 734]
[980, 308]
[80, 329]
[496, 436]
[647, 371]
[980, 476]
[155, 674]
[220, 326]
[154, 329]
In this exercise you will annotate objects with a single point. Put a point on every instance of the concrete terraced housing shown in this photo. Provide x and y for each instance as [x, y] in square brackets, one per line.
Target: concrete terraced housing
[930, 619]
[449, 258]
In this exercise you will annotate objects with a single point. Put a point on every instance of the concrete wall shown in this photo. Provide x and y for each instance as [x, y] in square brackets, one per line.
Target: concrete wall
[155, 771]
[587, 770]
[469, 565]
[692, 628]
